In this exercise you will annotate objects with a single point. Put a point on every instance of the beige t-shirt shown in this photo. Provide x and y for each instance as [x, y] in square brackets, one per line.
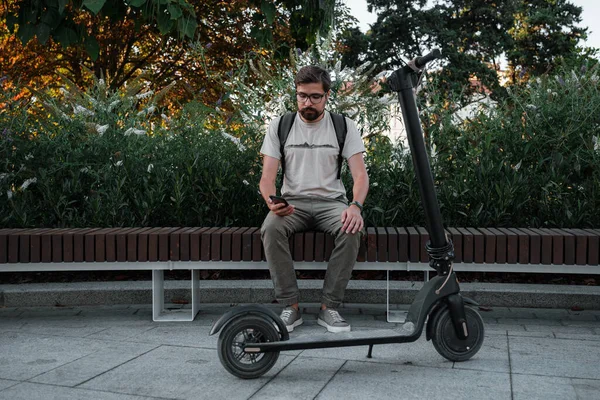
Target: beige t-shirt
[311, 152]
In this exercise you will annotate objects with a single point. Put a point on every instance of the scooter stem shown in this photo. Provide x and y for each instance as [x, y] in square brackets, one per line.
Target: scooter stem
[403, 81]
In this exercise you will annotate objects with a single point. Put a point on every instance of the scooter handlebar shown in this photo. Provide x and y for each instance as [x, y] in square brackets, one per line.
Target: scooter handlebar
[421, 61]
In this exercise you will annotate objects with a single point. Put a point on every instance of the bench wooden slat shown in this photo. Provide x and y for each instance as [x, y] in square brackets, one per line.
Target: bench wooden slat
[164, 236]
[558, 246]
[69, 245]
[512, 245]
[382, 244]
[24, 245]
[153, 244]
[143, 243]
[196, 242]
[414, 250]
[205, 243]
[35, 245]
[523, 240]
[4, 245]
[257, 247]
[110, 243]
[13, 245]
[237, 244]
[247, 244]
[78, 244]
[457, 241]
[175, 244]
[403, 244]
[298, 246]
[371, 244]
[56, 245]
[132, 242]
[392, 244]
[226, 238]
[423, 239]
[362, 248]
[570, 247]
[309, 246]
[580, 246]
[100, 244]
[593, 246]
[467, 239]
[320, 246]
[478, 245]
[489, 243]
[501, 250]
[546, 245]
[215, 244]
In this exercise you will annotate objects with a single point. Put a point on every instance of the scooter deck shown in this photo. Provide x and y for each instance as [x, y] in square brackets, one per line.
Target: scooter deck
[402, 334]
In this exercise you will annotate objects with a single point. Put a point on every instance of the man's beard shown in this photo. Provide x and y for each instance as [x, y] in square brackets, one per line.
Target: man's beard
[310, 114]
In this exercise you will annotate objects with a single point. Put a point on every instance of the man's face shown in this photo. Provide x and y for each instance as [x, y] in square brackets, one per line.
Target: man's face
[311, 100]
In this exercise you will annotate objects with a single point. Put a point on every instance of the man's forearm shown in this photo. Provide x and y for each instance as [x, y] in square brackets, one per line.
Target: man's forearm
[360, 189]
[267, 188]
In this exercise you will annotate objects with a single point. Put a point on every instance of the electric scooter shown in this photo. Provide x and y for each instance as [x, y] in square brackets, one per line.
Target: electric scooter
[252, 336]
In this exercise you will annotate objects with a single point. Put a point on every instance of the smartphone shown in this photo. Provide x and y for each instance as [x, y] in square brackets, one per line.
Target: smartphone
[278, 200]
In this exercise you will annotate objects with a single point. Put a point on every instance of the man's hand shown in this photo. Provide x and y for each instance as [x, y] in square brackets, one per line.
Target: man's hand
[352, 220]
[280, 209]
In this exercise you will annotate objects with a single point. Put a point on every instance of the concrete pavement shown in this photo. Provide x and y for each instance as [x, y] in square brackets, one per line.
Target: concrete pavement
[117, 353]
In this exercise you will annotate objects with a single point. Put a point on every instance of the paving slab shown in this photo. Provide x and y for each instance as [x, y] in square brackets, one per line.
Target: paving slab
[118, 352]
[302, 379]
[182, 373]
[61, 326]
[365, 380]
[559, 329]
[83, 369]
[4, 383]
[492, 357]
[531, 387]
[552, 357]
[25, 355]
[30, 391]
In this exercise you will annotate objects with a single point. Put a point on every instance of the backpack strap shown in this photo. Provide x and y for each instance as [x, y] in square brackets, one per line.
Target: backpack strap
[339, 124]
[283, 130]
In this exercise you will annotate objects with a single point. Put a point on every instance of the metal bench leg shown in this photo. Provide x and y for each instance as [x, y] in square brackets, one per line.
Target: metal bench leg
[159, 314]
[396, 316]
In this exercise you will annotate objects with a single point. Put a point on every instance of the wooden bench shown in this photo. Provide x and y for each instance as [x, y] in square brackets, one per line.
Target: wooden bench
[574, 251]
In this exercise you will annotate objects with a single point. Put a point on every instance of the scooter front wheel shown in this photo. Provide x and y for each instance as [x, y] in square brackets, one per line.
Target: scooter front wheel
[449, 345]
[245, 330]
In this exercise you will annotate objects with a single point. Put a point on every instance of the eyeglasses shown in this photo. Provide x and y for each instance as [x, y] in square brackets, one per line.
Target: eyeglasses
[315, 98]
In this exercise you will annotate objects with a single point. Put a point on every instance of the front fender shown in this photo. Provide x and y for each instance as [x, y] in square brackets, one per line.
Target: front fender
[250, 309]
[437, 310]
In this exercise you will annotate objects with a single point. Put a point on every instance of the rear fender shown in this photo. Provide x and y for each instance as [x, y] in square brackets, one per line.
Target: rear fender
[255, 309]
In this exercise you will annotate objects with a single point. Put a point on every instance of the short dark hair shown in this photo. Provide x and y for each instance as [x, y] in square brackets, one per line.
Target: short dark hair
[313, 74]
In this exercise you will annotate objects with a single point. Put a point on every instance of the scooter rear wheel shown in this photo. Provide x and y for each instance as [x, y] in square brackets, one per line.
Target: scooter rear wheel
[449, 345]
[245, 330]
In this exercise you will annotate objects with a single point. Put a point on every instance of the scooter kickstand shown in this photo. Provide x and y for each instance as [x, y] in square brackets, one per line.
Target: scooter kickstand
[370, 353]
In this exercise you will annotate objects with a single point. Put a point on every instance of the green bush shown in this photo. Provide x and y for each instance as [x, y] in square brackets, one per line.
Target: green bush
[101, 158]
[531, 161]
[73, 163]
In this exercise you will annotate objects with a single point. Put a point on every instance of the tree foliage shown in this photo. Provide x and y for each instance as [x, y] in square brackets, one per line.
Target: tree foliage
[163, 41]
[475, 36]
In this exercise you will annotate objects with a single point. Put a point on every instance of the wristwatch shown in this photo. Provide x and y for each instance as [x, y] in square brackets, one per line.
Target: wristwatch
[357, 204]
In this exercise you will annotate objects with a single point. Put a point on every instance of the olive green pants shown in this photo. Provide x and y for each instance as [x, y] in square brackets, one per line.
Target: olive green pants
[310, 213]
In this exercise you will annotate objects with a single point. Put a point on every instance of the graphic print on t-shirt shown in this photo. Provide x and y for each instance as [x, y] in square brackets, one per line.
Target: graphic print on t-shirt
[310, 146]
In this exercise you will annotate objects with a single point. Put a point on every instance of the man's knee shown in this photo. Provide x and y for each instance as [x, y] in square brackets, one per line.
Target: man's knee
[351, 240]
[271, 228]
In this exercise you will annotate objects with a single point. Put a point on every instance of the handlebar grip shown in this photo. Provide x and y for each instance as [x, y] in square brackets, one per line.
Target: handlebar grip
[421, 61]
